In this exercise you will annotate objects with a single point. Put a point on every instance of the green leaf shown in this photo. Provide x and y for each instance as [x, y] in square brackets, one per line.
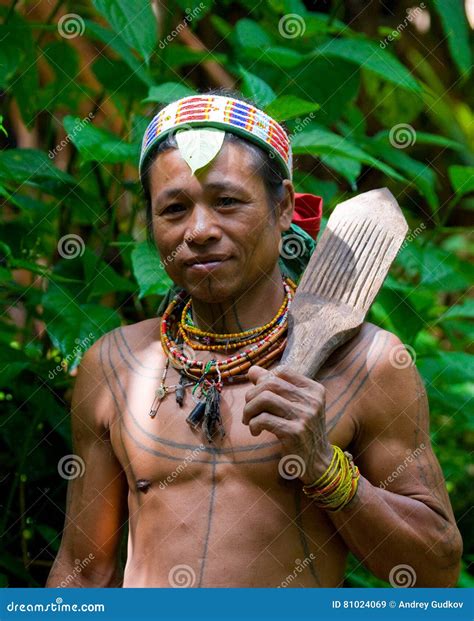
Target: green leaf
[12, 363]
[26, 86]
[11, 55]
[102, 277]
[289, 106]
[149, 271]
[221, 26]
[456, 28]
[440, 141]
[65, 89]
[371, 57]
[168, 92]
[256, 89]
[29, 165]
[117, 44]
[332, 82]
[444, 271]
[249, 34]
[348, 168]
[459, 311]
[133, 21]
[447, 367]
[462, 179]
[419, 174]
[74, 327]
[195, 9]
[178, 56]
[280, 57]
[320, 141]
[405, 321]
[2, 129]
[312, 185]
[116, 77]
[97, 145]
[389, 104]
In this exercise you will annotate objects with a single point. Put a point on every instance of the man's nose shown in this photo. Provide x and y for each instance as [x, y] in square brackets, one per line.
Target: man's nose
[203, 225]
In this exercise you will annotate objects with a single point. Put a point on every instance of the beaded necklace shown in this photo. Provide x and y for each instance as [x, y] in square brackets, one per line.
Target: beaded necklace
[263, 345]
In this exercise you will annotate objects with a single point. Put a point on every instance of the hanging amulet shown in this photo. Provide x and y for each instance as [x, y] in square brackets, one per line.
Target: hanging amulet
[160, 394]
[179, 394]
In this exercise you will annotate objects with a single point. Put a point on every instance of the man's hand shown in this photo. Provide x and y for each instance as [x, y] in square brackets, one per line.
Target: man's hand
[292, 407]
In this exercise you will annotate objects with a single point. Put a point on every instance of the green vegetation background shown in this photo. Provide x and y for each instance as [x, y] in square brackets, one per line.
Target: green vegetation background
[372, 96]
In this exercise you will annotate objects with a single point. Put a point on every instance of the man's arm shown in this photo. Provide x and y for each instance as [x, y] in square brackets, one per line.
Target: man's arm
[401, 513]
[96, 506]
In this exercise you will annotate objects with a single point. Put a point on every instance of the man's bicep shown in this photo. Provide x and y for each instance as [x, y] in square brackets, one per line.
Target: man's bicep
[96, 505]
[394, 450]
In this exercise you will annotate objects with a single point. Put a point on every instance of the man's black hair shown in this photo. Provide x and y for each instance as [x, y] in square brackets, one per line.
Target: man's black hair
[267, 166]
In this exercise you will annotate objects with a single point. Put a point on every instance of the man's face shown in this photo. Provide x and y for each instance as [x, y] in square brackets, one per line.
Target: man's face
[214, 230]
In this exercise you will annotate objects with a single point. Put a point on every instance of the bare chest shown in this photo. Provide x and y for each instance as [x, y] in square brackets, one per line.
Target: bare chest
[166, 449]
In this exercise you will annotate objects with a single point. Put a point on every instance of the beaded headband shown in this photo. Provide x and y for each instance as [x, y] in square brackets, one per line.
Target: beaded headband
[224, 113]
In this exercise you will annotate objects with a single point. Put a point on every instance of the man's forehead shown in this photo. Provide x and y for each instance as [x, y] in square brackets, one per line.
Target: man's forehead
[233, 168]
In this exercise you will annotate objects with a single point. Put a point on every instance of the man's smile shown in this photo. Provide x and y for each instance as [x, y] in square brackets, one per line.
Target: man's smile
[205, 262]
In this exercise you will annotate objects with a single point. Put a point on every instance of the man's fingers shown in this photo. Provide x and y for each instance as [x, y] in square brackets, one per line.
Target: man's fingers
[267, 422]
[289, 374]
[266, 402]
[274, 384]
[257, 374]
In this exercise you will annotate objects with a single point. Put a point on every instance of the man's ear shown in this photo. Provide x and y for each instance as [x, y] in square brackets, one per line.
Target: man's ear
[287, 206]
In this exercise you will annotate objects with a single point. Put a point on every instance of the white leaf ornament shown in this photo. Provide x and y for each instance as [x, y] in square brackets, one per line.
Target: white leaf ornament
[199, 146]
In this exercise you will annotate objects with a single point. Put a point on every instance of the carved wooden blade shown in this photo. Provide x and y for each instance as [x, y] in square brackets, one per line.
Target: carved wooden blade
[342, 278]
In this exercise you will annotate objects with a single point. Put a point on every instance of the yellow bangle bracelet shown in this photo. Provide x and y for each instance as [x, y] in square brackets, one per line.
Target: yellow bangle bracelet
[342, 473]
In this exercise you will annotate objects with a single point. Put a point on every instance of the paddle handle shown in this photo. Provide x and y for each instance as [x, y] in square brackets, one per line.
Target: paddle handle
[310, 344]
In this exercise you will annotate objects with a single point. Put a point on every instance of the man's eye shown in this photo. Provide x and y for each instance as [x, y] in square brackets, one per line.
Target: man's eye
[174, 208]
[227, 200]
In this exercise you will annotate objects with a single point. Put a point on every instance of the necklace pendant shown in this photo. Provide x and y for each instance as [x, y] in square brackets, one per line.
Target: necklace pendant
[160, 393]
[179, 394]
[197, 414]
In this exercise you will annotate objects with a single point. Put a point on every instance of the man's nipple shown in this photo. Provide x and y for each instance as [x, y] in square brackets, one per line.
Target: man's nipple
[143, 485]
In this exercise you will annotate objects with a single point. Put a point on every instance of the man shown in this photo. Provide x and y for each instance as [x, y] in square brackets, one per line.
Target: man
[232, 475]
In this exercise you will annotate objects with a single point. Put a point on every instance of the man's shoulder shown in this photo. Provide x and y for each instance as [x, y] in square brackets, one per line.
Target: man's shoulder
[371, 344]
[386, 368]
[131, 340]
[127, 350]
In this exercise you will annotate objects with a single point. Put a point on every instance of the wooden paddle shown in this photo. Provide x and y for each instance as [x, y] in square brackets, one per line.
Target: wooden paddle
[342, 278]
